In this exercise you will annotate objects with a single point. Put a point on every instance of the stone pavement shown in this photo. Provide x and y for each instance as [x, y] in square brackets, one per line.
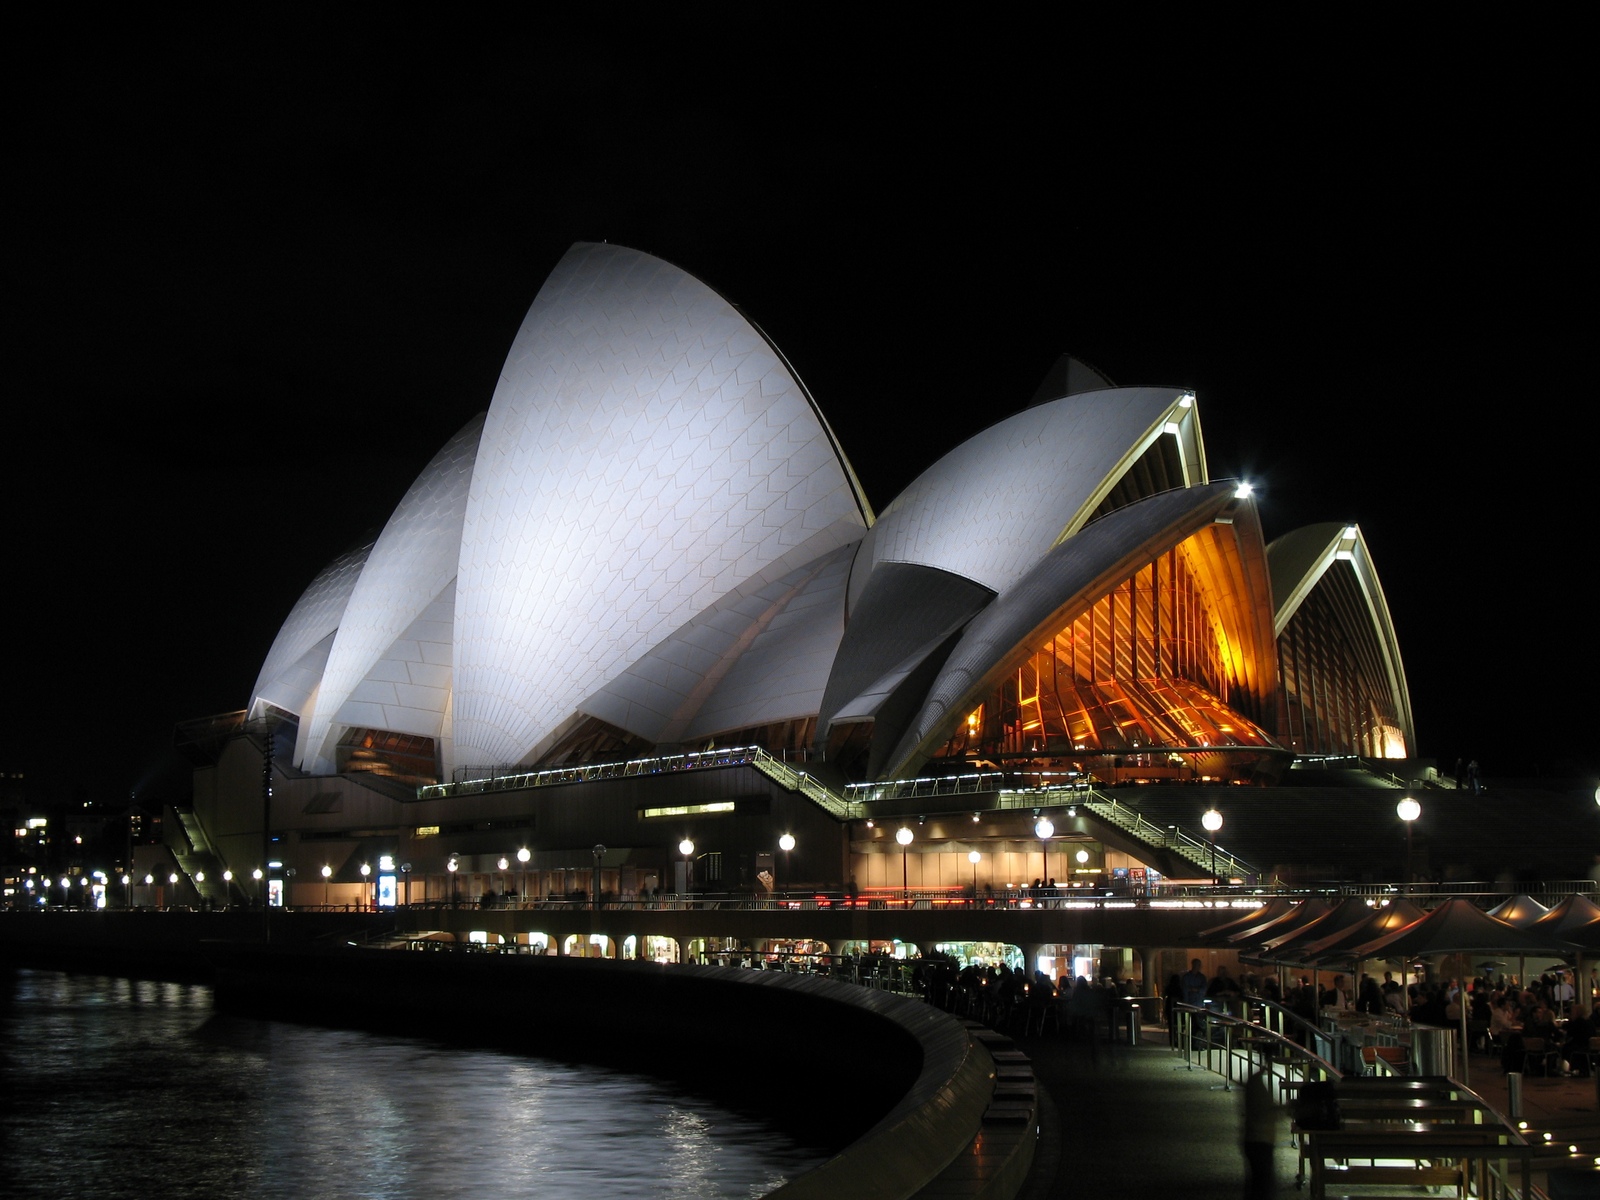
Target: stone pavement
[1134, 1120]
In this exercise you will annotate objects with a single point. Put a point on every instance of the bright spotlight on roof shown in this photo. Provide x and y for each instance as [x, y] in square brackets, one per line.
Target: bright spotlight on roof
[1242, 492]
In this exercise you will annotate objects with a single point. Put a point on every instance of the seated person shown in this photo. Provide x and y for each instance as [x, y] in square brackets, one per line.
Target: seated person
[1575, 1049]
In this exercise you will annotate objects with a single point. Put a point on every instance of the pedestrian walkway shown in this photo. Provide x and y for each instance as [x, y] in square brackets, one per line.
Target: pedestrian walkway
[1135, 1117]
[1138, 1116]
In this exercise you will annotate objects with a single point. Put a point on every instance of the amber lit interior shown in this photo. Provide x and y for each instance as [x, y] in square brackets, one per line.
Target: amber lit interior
[1337, 696]
[403, 757]
[1157, 679]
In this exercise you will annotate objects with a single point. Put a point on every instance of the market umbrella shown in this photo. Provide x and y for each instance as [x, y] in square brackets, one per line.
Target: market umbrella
[1278, 949]
[1521, 910]
[1575, 911]
[1456, 927]
[1336, 946]
[1301, 915]
[1270, 911]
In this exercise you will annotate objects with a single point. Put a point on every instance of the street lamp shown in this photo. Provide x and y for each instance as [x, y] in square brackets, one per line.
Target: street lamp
[904, 837]
[599, 853]
[523, 855]
[227, 880]
[327, 874]
[366, 875]
[974, 858]
[1212, 822]
[453, 866]
[1408, 810]
[127, 886]
[405, 871]
[786, 844]
[686, 848]
[1044, 829]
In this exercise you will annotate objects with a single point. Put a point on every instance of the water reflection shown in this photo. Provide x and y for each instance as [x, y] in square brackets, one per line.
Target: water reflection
[115, 1087]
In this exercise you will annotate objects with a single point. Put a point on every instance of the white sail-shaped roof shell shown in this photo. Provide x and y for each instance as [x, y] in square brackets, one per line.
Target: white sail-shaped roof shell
[293, 669]
[762, 654]
[646, 453]
[997, 503]
[411, 565]
[1299, 560]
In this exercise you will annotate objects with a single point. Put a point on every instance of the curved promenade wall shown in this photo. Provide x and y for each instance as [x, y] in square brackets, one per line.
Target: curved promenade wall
[896, 1088]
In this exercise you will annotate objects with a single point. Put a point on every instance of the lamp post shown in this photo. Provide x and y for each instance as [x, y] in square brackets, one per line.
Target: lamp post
[523, 855]
[405, 872]
[127, 887]
[686, 848]
[1408, 810]
[366, 878]
[261, 888]
[786, 844]
[1044, 829]
[599, 853]
[1212, 822]
[974, 858]
[452, 866]
[227, 883]
[327, 874]
[904, 837]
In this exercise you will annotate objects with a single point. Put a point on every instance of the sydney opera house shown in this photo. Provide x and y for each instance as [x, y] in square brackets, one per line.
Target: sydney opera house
[652, 546]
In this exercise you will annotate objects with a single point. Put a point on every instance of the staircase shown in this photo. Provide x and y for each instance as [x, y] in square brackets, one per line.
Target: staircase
[786, 776]
[1173, 839]
[196, 858]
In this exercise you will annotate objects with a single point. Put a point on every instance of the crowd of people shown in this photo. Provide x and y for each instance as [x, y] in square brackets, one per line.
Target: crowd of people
[1501, 1016]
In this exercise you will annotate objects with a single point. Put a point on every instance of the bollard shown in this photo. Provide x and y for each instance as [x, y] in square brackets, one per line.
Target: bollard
[1134, 1015]
[1514, 1095]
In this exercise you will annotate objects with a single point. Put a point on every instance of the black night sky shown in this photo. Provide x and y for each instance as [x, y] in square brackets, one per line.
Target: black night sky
[259, 275]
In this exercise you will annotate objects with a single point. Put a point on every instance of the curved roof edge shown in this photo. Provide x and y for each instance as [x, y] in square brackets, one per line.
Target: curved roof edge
[315, 616]
[1182, 421]
[1300, 558]
[994, 505]
[673, 457]
[414, 559]
[1072, 575]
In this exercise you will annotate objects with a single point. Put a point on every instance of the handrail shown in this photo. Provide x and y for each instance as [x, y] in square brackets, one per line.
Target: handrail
[1237, 1033]
[738, 756]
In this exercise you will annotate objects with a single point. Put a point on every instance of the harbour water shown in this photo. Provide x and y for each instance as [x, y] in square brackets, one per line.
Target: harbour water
[115, 1087]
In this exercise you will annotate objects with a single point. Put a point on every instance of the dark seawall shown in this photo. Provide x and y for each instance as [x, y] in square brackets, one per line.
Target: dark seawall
[896, 1088]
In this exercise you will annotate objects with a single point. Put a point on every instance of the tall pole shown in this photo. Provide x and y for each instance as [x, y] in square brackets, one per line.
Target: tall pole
[1408, 810]
[1212, 820]
[904, 837]
[266, 823]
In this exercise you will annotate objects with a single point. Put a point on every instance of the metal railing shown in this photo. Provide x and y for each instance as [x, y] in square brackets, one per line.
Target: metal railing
[1203, 853]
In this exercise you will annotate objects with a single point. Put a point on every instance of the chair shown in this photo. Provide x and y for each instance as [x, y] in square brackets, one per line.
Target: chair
[1583, 1061]
[1536, 1050]
[1395, 1056]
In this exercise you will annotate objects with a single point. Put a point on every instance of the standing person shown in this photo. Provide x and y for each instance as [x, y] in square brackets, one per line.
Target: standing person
[1194, 984]
[1260, 1137]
